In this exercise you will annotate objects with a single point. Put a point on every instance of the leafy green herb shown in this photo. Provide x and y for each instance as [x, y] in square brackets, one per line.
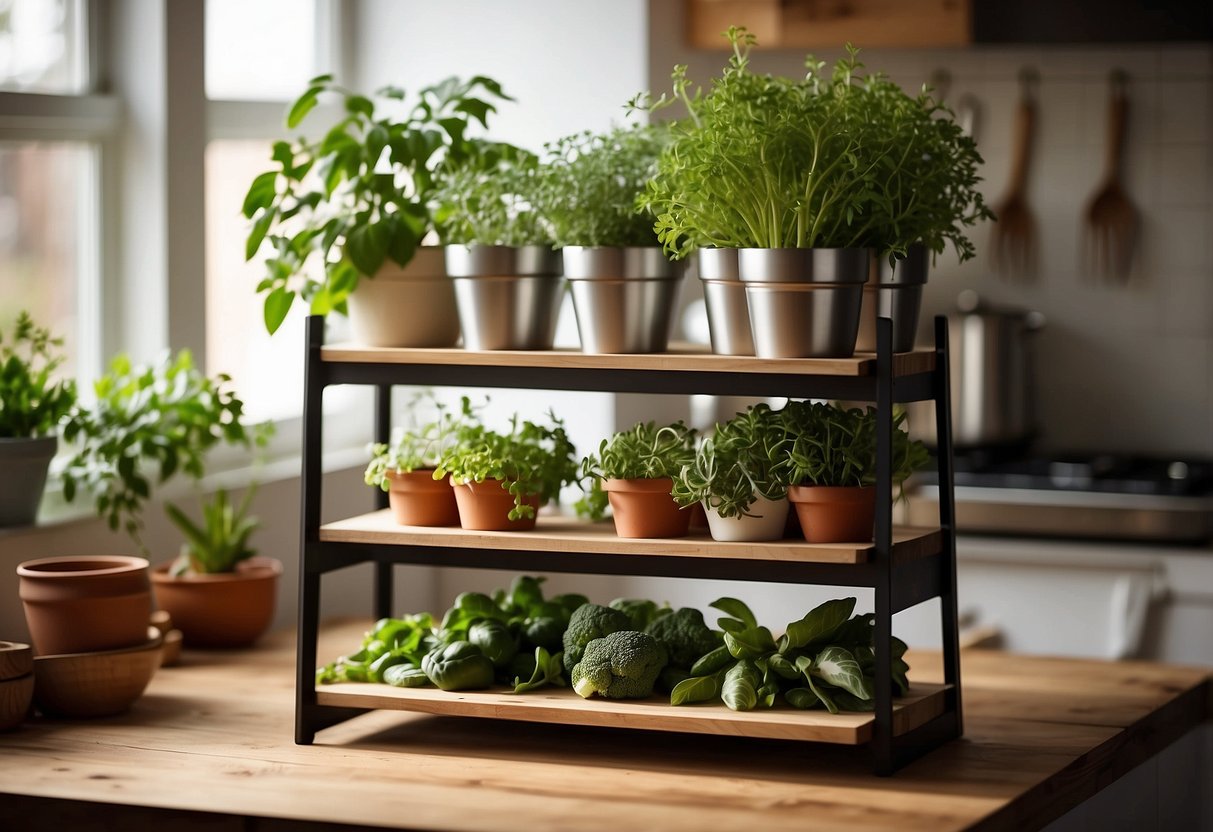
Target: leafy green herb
[493, 202]
[421, 446]
[644, 451]
[831, 445]
[549, 670]
[220, 542]
[335, 209]
[32, 400]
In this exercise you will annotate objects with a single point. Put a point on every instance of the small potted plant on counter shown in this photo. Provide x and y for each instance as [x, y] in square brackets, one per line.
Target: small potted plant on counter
[405, 467]
[32, 404]
[499, 255]
[740, 475]
[356, 204]
[218, 593]
[833, 468]
[634, 469]
[502, 479]
[624, 287]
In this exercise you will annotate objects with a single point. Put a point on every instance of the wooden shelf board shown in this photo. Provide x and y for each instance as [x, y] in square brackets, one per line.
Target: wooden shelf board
[564, 706]
[681, 358]
[557, 533]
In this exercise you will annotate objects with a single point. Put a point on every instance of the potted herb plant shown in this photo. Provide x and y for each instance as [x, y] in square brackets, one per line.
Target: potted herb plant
[832, 463]
[502, 479]
[32, 404]
[634, 469]
[740, 476]
[499, 253]
[624, 288]
[405, 468]
[357, 204]
[217, 591]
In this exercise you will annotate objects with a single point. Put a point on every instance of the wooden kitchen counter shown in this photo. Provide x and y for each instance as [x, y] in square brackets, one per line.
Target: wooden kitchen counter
[210, 745]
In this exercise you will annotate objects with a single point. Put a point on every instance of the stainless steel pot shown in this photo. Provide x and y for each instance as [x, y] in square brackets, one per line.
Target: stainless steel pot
[508, 297]
[993, 377]
[724, 296]
[624, 297]
[893, 292]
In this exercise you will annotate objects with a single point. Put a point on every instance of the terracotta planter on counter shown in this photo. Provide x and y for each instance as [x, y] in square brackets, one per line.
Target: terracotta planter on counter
[835, 514]
[644, 508]
[79, 604]
[485, 507]
[225, 609]
[417, 499]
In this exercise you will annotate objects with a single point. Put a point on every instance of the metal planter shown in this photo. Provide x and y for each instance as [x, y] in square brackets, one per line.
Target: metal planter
[624, 297]
[508, 297]
[896, 293]
[804, 303]
[724, 295]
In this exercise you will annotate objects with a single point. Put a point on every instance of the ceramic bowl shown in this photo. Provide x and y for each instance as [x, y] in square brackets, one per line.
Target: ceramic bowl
[101, 683]
[16, 660]
[15, 696]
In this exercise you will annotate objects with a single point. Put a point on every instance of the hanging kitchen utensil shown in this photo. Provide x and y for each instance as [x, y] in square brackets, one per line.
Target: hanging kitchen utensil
[1013, 239]
[1112, 226]
[968, 113]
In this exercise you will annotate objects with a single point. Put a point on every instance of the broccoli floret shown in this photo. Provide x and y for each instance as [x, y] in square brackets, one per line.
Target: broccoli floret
[590, 621]
[685, 635]
[622, 665]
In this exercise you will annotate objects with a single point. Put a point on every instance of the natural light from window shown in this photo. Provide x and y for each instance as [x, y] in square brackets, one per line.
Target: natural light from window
[42, 46]
[262, 51]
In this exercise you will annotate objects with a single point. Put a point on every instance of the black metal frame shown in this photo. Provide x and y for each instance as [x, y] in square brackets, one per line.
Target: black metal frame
[897, 586]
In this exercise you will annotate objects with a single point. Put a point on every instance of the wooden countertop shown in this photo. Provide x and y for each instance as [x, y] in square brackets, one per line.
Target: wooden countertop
[214, 735]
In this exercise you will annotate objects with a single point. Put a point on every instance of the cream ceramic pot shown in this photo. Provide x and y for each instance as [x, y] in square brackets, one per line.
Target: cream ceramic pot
[413, 306]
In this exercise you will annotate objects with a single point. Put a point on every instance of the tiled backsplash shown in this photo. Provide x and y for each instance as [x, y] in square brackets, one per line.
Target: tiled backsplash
[1120, 367]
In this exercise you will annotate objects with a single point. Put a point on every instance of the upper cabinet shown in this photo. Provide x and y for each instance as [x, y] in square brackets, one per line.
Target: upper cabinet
[816, 24]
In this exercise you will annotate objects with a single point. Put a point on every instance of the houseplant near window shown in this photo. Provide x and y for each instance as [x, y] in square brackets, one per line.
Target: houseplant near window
[502, 479]
[499, 252]
[217, 591]
[356, 204]
[833, 467]
[624, 288]
[405, 467]
[32, 403]
[634, 469]
[740, 475]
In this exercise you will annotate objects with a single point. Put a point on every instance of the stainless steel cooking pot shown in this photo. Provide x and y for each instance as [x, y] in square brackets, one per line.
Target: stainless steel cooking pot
[993, 376]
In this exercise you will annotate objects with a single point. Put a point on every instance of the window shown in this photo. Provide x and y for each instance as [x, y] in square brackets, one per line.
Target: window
[262, 51]
[42, 46]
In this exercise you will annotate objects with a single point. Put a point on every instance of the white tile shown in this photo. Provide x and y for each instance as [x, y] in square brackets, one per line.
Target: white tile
[1186, 60]
[1186, 300]
[1004, 63]
[1182, 176]
[1093, 62]
[1183, 111]
[1178, 239]
[1060, 111]
[1143, 115]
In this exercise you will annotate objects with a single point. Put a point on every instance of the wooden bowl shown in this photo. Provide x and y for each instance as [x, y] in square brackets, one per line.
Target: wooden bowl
[15, 696]
[16, 660]
[101, 683]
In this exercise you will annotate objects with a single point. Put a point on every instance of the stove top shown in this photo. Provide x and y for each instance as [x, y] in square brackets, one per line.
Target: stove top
[1097, 496]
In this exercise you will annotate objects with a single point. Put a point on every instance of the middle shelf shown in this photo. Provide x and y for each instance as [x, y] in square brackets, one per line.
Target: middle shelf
[557, 533]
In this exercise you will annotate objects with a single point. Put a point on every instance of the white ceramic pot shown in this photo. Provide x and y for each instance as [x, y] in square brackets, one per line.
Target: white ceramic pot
[412, 306]
[769, 519]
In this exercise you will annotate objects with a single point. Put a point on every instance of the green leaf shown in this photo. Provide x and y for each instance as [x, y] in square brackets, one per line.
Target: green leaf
[257, 235]
[820, 693]
[366, 246]
[818, 625]
[360, 104]
[302, 106]
[695, 689]
[749, 643]
[260, 193]
[740, 687]
[477, 109]
[737, 609]
[838, 667]
[802, 698]
[277, 305]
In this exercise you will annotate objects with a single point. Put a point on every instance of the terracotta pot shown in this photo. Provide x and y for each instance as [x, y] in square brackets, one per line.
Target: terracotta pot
[835, 514]
[226, 609]
[485, 506]
[412, 306]
[417, 499]
[644, 508]
[767, 520]
[80, 604]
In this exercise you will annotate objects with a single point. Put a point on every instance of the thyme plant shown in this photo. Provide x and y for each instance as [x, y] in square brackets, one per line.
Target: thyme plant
[644, 451]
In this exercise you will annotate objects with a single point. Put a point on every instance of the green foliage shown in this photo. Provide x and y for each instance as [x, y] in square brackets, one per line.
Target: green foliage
[529, 459]
[745, 458]
[641, 611]
[32, 400]
[335, 209]
[548, 670]
[591, 182]
[459, 665]
[832, 445]
[220, 541]
[621, 665]
[166, 415]
[644, 451]
[836, 159]
[685, 636]
[421, 445]
[493, 202]
[587, 623]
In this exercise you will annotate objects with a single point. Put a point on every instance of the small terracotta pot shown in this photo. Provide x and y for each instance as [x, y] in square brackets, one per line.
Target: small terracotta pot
[226, 609]
[485, 506]
[81, 604]
[417, 499]
[835, 514]
[644, 508]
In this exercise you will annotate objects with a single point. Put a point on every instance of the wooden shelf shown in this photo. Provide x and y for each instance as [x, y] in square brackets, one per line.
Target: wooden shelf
[564, 706]
[681, 358]
[556, 533]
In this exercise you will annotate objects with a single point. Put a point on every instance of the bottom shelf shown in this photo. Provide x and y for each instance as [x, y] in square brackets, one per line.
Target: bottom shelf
[562, 705]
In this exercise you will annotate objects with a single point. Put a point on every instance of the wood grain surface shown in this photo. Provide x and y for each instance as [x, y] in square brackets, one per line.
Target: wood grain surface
[555, 533]
[214, 735]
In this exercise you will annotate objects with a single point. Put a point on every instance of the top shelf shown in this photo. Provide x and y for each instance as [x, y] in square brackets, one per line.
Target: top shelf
[681, 358]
